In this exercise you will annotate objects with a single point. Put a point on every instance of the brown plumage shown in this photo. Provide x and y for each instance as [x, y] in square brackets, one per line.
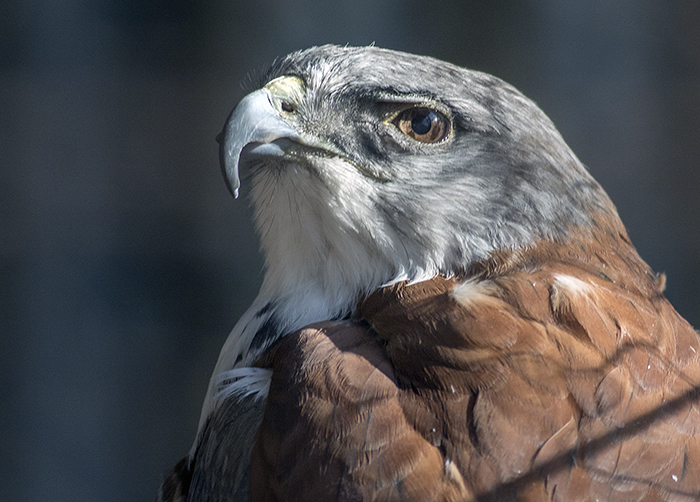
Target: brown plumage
[555, 373]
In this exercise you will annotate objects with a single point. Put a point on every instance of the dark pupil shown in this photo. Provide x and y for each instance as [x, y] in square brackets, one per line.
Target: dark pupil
[422, 122]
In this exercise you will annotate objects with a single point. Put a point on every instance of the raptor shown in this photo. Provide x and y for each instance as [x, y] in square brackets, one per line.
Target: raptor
[451, 308]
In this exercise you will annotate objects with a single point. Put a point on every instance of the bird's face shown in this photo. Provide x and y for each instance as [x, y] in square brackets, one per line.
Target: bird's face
[367, 165]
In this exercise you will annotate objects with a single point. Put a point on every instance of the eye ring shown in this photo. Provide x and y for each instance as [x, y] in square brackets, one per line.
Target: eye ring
[423, 124]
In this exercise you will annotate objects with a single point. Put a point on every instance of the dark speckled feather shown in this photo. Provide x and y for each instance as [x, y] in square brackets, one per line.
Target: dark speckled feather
[220, 468]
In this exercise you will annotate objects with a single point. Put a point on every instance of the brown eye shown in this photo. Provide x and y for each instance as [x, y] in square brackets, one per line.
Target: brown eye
[423, 124]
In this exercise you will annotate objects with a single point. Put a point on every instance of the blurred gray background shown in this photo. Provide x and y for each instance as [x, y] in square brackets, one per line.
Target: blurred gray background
[124, 262]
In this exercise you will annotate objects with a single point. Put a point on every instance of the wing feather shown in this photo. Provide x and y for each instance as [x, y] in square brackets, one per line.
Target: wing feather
[551, 381]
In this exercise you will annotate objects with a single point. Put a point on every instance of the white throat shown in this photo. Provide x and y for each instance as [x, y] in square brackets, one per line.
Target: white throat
[318, 264]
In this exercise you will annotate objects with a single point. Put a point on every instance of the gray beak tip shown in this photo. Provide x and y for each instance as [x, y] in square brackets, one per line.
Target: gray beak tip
[254, 120]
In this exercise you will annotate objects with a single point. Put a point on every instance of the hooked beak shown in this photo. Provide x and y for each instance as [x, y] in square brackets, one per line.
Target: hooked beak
[255, 121]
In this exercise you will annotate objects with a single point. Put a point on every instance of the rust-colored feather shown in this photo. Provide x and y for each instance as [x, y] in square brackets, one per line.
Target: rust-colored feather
[555, 373]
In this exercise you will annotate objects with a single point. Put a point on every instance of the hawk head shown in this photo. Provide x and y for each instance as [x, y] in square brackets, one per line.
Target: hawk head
[367, 166]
